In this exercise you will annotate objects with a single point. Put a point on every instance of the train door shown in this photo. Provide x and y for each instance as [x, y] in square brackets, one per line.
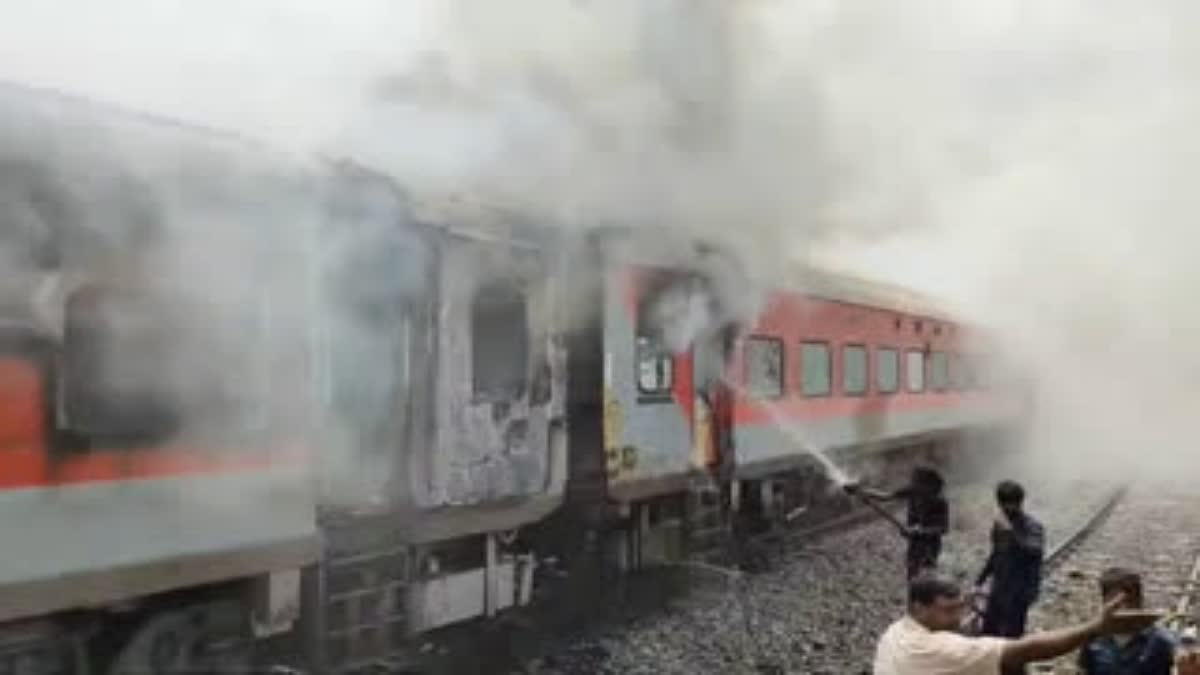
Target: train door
[712, 405]
[501, 375]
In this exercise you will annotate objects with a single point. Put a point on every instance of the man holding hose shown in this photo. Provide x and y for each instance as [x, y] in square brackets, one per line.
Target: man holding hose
[928, 516]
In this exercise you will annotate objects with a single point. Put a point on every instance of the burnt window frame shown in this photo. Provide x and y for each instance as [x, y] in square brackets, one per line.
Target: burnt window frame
[828, 347]
[866, 380]
[519, 386]
[86, 404]
[156, 403]
[783, 360]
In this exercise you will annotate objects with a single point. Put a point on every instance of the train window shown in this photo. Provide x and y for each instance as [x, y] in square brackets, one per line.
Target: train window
[854, 370]
[764, 367]
[939, 374]
[956, 371]
[499, 342]
[117, 366]
[655, 368]
[979, 373]
[138, 366]
[887, 370]
[367, 366]
[914, 370]
[816, 377]
[966, 373]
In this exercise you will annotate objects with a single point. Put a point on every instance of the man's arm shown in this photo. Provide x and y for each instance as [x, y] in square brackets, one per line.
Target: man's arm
[1048, 644]
[1055, 643]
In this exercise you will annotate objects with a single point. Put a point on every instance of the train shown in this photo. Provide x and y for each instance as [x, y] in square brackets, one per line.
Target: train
[256, 402]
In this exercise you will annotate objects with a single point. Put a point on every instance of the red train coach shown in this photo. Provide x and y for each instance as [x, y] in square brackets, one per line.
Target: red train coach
[718, 388]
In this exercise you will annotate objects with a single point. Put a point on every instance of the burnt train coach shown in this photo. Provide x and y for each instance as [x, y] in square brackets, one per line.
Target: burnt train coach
[444, 368]
[155, 408]
[256, 400]
[251, 400]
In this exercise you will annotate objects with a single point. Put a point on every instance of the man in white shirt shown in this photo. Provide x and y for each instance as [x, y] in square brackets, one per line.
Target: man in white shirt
[925, 641]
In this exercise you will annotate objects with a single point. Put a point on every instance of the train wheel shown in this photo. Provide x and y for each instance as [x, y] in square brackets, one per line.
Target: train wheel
[188, 640]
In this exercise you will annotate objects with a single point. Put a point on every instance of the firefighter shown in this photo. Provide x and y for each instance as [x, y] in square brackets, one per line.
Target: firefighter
[928, 516]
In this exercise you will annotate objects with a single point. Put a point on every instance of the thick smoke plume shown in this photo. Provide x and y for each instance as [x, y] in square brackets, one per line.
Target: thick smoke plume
[1027, 160]
[1046, 151]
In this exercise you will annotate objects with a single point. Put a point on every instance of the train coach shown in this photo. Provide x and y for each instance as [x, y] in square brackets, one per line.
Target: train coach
[714, 394]
[154, 426]
[256, 402]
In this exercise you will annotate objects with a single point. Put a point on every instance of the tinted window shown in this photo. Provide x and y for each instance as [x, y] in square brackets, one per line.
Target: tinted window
[816, 376]
[854, 370]
[887, 370]
[956, 371]
[939, 375]
[764, 367]
[914, 370]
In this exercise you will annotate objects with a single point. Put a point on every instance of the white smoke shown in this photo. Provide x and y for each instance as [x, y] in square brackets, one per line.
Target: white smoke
[1048, 149]
[1026, 159]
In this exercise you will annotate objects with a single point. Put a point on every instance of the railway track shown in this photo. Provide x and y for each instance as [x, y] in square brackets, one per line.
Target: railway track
[815, 607]
[1060, 550]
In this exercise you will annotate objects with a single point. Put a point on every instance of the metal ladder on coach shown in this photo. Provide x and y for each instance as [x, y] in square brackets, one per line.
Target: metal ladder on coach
[363, 614]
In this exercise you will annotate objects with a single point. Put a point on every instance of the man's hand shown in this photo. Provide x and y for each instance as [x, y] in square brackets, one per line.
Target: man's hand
[852, 487]
[1003, 524]
[1051, 644]
[1113, 619]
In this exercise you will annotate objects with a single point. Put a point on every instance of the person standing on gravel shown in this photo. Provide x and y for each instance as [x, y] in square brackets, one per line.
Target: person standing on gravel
[1014, 566]
[925, 641]
[928, 516]
[1148, 652]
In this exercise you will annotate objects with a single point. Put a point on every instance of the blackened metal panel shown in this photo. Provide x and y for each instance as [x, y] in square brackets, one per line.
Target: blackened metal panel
[496, 442]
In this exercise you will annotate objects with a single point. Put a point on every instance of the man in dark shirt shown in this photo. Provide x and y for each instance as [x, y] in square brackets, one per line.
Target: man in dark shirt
[928, 517]
[1148, 652]
[1014, 566]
